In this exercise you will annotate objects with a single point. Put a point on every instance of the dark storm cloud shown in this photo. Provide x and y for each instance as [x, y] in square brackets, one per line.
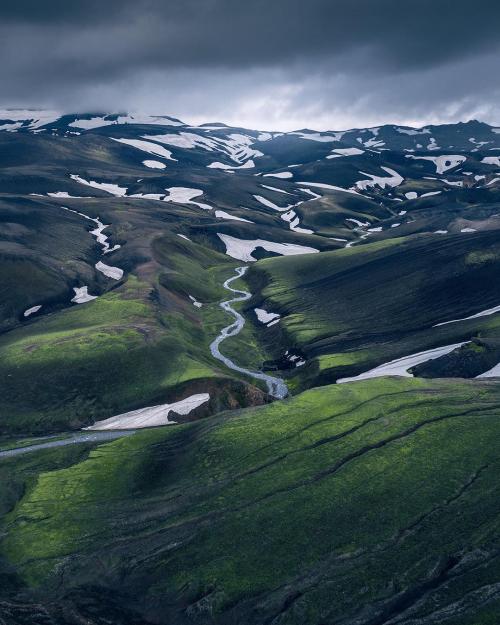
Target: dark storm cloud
[311, 56]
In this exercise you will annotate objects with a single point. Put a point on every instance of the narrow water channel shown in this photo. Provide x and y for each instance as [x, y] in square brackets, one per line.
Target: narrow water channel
[276, 386]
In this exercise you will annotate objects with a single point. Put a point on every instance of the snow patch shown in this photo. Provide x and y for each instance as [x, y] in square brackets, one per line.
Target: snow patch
[315, 196]
[393, 180]
[223, 215]
[293, 220]
[491, 160]
[195, 302]
[317, 136]
[494, 372]
[11, 127]
[110, 272]
[32, 310]
[147, 146]
[281, 174]
[345, 152]
[100, 122]
[152, 416]
[400, 366]
[65, 195]
[101, 238]
[242, 249]
[112, 189]
[483, 313]
[185, 195]
[82, 295]
[154, 164]
[322, 185]
[358, 223]
[235, 146]
[90, 124]
[265, 186]
[412, 131]
[148, 196]
[373, 143]
[432, 144]
[231, 168]
[443, 163]
[430, 193]
[30, 119]
[272, 205]
[265, 317]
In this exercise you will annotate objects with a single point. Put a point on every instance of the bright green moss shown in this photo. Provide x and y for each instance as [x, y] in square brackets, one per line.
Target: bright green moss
[325, 481]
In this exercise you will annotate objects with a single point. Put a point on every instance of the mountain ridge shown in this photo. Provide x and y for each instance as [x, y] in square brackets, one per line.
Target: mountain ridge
[23, 115]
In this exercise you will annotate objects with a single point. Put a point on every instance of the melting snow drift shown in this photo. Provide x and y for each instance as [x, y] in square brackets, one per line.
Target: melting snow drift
[147, 146]
[185, 195]
[442, 163]
[267, 318]
[242, 249]
[154, 164]
[113, 189]
[32, 310]
[400, 366]
[82, 295]
[152, 416]
[110, 272]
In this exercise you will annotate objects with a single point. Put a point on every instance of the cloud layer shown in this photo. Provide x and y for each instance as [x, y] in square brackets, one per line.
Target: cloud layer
[274, 64]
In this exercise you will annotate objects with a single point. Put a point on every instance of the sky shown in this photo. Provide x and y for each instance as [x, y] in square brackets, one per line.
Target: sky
[263, 64]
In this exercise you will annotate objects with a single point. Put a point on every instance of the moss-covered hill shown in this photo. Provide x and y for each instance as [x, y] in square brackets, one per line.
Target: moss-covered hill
[350, 310]
[142, 343]
[370, 503]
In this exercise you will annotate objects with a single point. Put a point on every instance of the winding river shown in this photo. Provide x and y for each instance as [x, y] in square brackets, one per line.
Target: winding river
[276, 386]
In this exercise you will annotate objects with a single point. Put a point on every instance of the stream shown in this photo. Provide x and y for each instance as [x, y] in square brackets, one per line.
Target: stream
[79, 437]
[276, 386]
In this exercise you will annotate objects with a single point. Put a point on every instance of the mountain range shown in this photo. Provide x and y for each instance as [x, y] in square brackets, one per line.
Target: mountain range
[248, 376]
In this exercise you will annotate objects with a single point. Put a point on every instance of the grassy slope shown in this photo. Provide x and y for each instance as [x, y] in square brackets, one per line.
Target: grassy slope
[141, 344]
[86, 362]
[315, 508]
[351, 310]
[194, 269]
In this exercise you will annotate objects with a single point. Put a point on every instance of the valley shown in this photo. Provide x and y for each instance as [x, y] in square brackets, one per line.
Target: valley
[248, 377]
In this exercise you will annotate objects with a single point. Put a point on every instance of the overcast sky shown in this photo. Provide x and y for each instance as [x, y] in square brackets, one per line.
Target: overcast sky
[267, 64]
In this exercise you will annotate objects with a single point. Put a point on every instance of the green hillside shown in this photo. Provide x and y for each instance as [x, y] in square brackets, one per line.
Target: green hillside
[311, 510]
[351, 310]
